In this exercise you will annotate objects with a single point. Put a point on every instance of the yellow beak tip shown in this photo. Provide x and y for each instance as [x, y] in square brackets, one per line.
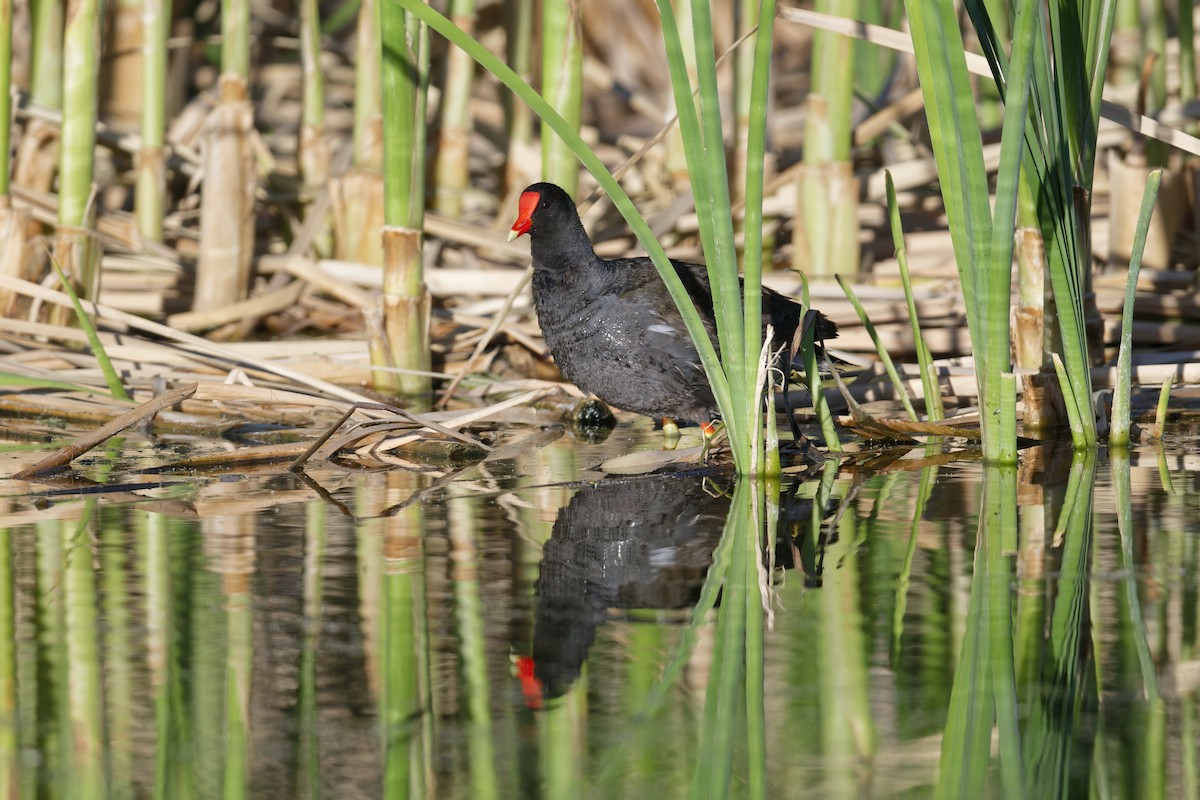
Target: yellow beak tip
[513, 235]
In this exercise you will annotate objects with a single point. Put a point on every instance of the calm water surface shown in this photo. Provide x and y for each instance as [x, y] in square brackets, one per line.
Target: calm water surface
[526, 629]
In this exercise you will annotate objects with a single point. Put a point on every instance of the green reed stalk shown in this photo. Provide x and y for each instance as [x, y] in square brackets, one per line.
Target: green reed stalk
[405, 298]
[1060, 687]
[118, 655]
[701, 130]
[1187, 51]
[1160, 414]
[404, 674]
[84, 687]
[982, 241]
[239, 670]
[743, 81]
[519, 47]
[150, 201]
[847, 728]
[983, 694]
[562, 86]
[53, 709]
[314, 149]
[763, 516]
[452, 176]
[1122, 393]
[10, 720]
[82, 46]
[934, 409]
[46, 70]
[235, 37]
[463, 510]
[6, 20]
[153, 570]
[368, 96]
[904, 578]
[752, 163]
[308, 716]
[714, 762]
[1068, 78]
[829, 210]
[111, 376]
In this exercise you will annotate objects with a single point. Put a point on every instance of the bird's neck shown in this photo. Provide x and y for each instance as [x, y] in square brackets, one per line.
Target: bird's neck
[564, 250]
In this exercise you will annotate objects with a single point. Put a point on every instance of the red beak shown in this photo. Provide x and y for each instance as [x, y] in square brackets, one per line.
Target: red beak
[528, 203]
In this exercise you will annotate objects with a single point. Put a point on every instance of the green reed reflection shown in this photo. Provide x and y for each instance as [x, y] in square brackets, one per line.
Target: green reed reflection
[946, 630]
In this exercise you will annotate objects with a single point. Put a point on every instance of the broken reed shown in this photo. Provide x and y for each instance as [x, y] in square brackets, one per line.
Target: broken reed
[827, 191]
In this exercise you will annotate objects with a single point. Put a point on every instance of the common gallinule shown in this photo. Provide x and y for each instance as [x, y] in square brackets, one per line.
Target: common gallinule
[611, 325]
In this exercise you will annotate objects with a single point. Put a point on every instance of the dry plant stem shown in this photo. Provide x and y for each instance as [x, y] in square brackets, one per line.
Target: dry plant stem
[16, 253]
[122, 93]
[227, 210]
[314, 149]
[130, 418]
[406, 305]
[497, 322]
[269, 303]
[195, 343]
[826, 221]
[357, 198]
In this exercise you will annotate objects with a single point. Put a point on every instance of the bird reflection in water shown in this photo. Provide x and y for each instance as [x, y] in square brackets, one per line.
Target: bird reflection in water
[645, 543]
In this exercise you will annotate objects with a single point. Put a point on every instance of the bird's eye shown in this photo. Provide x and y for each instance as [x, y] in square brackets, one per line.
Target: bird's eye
[545, 204]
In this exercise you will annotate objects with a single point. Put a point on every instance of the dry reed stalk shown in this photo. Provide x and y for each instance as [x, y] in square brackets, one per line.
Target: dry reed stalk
[227, 204]
[17, 255]
[121, 69]
[1042, 403]
[36, 161]
[406, 305]
[201, 347]
[357, 198]
[127, 420]
[268, 303]
[1127, 180]
[825, 230]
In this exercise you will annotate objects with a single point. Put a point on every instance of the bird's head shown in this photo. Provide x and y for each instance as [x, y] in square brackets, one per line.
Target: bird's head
[543, 207]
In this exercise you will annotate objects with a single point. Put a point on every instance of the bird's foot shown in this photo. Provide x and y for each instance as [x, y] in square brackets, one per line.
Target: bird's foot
[670, 434]
[709, 431]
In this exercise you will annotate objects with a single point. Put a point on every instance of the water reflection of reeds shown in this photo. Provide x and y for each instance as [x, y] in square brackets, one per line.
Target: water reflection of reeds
[957, 630]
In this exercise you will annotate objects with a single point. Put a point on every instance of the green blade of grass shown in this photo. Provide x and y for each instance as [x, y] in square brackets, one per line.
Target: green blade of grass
[879, 348]
[110, 373]
[1119, 437]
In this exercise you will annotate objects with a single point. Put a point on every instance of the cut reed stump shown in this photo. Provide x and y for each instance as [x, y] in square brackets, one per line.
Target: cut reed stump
[227, 210]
